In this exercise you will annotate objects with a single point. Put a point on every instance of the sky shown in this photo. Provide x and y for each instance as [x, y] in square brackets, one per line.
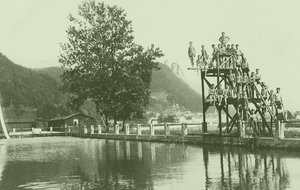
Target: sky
[268, 32]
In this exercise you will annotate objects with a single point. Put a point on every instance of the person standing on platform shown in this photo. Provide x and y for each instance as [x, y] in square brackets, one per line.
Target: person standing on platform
[202, 65]
[232, 79]
[245, 82]
[239, 80]
[191, 53]
[224, 39]
[212, 94]
[232, 49]
[198, 61]
[264, 93]
[204, 55]
[223, 49]
[239, 56]
[220, 94]
[244, 104]
[253, 122]
[226, 94]
[251, 84]
[271, 100]
[228, 49]
[233, 53]
[245, 66]
[278, 99]
[214, 54]
[257, 76]
[219, 48]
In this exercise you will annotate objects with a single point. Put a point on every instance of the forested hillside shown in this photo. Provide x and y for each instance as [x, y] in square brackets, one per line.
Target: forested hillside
[166, 89]
[23, 87]
[175, 90]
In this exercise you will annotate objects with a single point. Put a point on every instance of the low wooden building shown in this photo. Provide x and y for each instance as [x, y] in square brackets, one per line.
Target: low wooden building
[20, 125]
[74, 122]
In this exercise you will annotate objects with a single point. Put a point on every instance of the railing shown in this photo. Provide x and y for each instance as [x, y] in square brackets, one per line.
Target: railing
[165, 129]
[20, 131]
[162, 129]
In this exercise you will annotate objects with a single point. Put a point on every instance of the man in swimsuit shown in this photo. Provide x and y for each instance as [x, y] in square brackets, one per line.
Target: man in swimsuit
[212, 94]
[224, 39]
[257, 76]
[191, 53]
[204, 55]
[214, 54]
[220, 94]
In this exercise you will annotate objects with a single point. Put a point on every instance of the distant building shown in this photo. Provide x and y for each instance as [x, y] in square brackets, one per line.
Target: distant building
[74, 122]
[42, 123]
[20, 124]
[297, 115]
[19, 119]
[153, 120]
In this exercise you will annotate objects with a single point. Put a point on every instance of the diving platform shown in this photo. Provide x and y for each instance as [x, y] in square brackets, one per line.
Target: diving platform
[217, 73]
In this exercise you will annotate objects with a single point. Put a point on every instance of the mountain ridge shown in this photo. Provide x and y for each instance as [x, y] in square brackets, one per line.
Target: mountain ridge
[166, 89]
[36, 89]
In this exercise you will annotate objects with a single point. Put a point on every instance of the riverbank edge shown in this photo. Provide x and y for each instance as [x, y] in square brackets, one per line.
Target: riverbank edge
[262, 142]
[205, 139]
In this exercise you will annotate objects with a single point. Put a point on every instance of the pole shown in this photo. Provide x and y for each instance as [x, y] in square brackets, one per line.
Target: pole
[204, 124]
[220, 121]
[219, 110]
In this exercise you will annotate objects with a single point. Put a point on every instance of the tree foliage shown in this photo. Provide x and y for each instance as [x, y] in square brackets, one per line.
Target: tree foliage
[49, 111]
[166, 118]
[102, 62]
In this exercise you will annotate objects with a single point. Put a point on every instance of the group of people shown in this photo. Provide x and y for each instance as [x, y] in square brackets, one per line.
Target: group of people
[241, 82]
[236, 59]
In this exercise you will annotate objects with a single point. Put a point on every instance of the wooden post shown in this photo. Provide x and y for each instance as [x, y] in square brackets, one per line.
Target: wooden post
[227, 118]
[204, 124]
[51, 129]
[218, 81]
[92, 129]
[167, 129]
[277, 126]
[184, 129]
[279, 129]
[116, 129]
[127, 129]
[139, 131]
[32, 129]
[151, 130]
[282, 129]
[85, 131]
[220, 121]
[242, 130]
[99, 129]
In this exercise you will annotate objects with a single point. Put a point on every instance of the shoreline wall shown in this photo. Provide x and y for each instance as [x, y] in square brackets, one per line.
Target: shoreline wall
[261, 142]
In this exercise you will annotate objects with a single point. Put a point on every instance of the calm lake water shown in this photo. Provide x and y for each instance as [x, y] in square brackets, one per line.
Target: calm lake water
[74, 163]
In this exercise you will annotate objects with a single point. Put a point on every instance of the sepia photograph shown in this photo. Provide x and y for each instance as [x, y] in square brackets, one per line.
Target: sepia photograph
[149, 95]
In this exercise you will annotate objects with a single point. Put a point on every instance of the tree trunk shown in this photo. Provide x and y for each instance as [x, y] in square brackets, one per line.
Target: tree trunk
[106, 124]
[123, 125]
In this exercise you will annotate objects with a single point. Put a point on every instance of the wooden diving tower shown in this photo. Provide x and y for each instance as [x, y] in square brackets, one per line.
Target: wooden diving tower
[233, 124]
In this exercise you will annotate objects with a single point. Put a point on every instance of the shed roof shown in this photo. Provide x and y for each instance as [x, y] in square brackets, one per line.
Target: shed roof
[28, 120]
[69, 116]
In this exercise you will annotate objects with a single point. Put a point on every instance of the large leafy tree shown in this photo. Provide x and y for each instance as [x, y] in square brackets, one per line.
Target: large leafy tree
[103, 63]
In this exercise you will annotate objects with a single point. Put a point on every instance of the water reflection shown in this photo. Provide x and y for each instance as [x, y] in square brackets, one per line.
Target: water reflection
[70, 163]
